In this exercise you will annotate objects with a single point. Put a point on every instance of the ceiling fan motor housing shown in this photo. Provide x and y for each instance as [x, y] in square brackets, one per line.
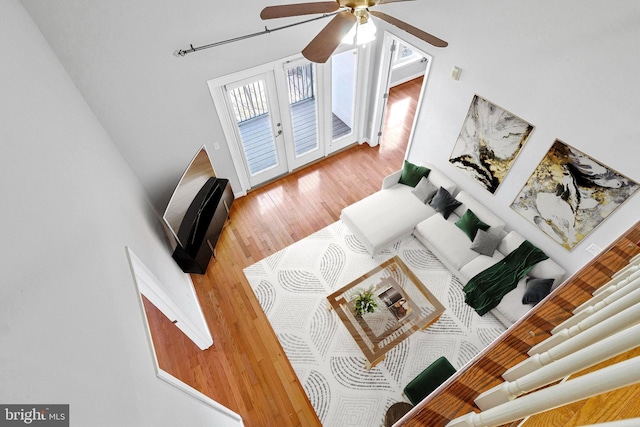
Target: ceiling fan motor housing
[357, 4]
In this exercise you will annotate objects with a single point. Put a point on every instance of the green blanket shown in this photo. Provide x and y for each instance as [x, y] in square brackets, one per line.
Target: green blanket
[485, 290]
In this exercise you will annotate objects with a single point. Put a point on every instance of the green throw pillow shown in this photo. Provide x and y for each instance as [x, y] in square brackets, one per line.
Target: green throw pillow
[470, 224]
[412, 174]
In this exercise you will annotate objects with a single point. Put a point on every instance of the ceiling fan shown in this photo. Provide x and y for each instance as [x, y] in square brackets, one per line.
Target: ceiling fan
[347, 14]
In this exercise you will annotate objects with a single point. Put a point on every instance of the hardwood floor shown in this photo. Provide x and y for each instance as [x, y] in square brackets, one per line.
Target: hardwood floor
[246, 369]
[401, 109]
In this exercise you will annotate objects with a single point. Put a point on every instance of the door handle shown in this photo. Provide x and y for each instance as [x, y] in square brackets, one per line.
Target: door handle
[279, 132]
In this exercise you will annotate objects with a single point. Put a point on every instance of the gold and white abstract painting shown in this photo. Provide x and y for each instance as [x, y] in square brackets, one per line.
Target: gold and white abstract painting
[569, 194]
[489, 142]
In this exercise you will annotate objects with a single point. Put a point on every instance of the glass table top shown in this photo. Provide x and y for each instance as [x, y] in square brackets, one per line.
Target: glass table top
[404, 305]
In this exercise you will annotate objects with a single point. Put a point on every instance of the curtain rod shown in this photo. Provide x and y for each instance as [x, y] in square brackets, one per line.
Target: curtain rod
[182, 52]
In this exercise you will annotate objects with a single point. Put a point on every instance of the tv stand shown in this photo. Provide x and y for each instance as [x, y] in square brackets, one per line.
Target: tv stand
[202, 225]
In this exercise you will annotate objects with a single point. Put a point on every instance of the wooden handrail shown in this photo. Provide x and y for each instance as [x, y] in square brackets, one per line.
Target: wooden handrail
[610, 378]
[610, 326]
[583, 358]
[591, 321]
[579, 316]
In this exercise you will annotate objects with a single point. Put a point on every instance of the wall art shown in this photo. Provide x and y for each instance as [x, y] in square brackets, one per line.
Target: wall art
[489, 142]
[569, 194]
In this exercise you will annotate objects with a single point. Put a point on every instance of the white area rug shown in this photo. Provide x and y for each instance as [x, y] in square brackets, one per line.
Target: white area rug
[292, 285]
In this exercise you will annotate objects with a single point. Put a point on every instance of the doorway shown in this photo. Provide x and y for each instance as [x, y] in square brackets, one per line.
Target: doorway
[284, 115]
[258, 125]
[403, 75]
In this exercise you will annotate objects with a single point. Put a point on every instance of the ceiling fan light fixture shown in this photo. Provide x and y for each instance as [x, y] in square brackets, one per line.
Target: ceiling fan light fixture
[362, 32]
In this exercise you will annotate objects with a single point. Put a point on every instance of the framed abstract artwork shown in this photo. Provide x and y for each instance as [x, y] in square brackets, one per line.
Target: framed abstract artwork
[489, 142]
[569, 194]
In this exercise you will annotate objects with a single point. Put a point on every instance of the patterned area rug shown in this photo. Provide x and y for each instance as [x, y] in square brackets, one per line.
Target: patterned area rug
[292, 285]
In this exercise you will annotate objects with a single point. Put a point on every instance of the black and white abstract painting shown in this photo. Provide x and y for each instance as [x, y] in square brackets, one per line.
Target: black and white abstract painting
[569, 194]
[489, 142]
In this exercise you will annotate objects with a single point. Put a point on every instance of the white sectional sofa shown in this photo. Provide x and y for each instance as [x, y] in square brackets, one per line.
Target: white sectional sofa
[391, 214]
[395, 212]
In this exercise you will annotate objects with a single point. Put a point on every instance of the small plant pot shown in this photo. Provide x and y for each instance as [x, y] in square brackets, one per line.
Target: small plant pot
[365, 302]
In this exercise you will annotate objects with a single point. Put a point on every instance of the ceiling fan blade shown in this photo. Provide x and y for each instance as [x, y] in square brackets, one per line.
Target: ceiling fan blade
[328, 39]
[272, 12]
[410, 29]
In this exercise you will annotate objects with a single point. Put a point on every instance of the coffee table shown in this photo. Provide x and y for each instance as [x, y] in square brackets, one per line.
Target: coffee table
[405, 305]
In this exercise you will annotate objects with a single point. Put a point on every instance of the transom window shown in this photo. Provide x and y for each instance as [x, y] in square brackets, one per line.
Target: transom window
[405, 55]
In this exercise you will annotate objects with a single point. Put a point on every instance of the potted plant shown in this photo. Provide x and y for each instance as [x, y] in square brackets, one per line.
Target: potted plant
[365, 302]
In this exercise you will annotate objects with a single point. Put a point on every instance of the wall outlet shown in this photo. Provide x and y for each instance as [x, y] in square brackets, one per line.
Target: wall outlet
[594, 249]
[216, 146]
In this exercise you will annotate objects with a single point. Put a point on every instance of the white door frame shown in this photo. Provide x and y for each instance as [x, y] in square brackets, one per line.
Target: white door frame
[276, 128]
[361, 93]
[383, 87]
[152, 289]
[216, 88]
[229, 127]
[148, 286]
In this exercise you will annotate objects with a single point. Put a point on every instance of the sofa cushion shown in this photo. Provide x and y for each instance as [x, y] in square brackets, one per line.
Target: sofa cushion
[536, 290]
[441, 180]
[425, 190]
[444, 203]
[510, 242]
[477, 265]
[485, 243]
[386, 216]
[511, 309]
[412, 174]
[470, 224]
[542, 270]
[447, 241]
[549, 269]
[484, 214]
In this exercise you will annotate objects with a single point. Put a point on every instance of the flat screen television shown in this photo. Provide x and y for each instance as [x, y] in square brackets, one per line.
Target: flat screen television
[194, 178]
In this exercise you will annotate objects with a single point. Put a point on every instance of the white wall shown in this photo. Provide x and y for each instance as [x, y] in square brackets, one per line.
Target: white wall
[406, 73]
[343, 72]
[156, 107]
[71, 323]
[570, 68]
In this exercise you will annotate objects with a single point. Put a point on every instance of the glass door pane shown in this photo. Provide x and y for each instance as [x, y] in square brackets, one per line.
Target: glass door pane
[303, 107]
[255, 116]
[343, 87]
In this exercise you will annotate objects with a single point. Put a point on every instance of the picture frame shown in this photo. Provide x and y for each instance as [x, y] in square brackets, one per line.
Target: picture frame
[489, 142]
[569, 194]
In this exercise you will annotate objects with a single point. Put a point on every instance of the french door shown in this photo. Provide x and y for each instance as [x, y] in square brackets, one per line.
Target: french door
[301, 104]
[258, 126]
[281, 116]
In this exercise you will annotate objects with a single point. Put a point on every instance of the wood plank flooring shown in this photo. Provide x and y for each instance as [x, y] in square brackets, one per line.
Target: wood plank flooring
[246, 369]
